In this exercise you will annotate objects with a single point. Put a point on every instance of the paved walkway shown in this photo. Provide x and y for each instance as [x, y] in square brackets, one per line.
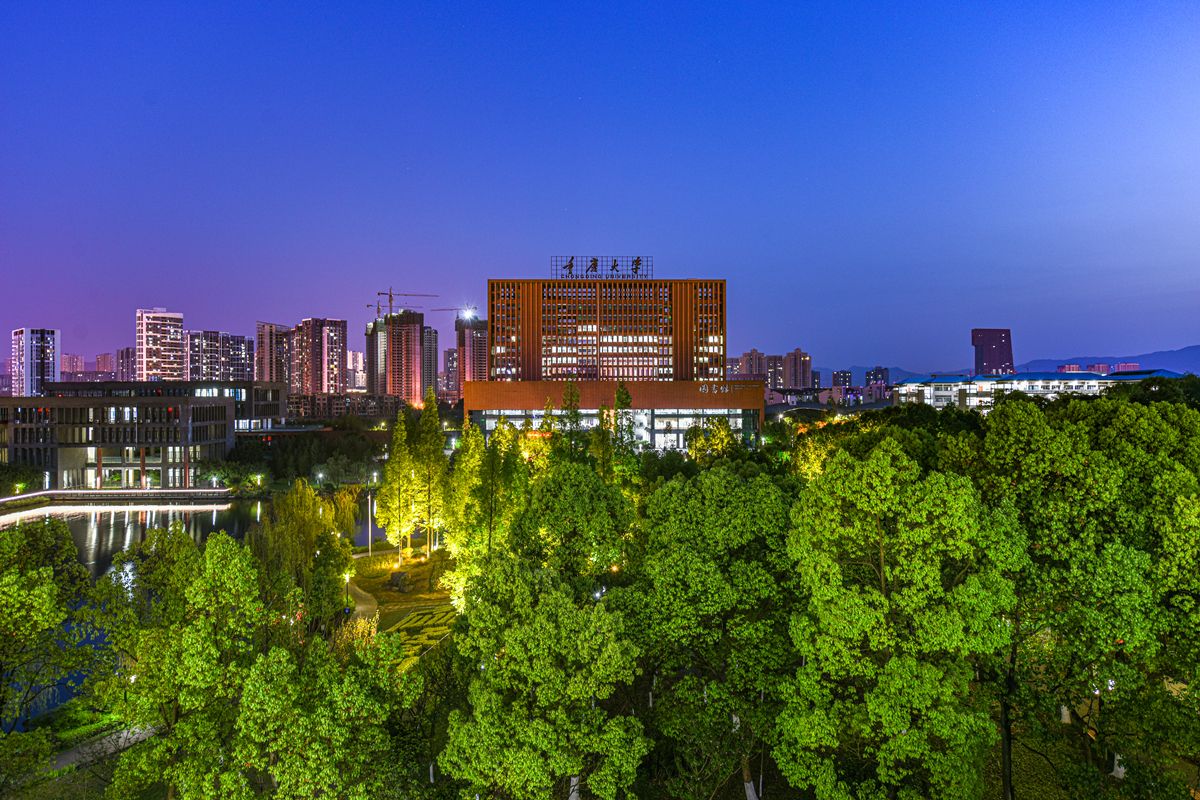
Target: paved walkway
[365, 605]
[96, 749]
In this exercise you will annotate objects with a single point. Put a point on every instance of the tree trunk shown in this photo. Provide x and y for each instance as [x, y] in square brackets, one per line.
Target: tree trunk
[1006, 787]
[1007, 790]
[573, 794]
[748, 779]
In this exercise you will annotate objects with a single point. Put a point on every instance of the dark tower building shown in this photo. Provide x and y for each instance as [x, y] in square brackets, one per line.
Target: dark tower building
[993, 351]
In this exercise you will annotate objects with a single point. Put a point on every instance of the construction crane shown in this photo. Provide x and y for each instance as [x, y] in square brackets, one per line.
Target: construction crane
[391, 297]
[378, 306]
[467, 312]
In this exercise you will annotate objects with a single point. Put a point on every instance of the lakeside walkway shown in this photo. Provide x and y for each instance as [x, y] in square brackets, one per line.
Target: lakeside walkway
[31, 499]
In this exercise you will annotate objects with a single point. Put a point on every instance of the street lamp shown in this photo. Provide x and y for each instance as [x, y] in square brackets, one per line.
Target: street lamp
[347, 576]
[320, 478]
[370, 512]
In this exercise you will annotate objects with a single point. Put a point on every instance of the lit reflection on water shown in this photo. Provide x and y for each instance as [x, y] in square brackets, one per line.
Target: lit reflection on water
[102, 531]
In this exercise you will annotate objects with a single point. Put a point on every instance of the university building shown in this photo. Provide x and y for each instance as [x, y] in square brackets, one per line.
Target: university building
[133, 435]
[602, 321]
[979, 392]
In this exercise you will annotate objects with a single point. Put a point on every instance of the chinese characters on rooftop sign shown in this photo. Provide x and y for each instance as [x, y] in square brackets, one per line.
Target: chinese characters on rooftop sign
[593, 267]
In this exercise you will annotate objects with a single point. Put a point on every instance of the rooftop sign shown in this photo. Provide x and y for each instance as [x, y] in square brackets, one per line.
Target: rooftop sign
[602, 267]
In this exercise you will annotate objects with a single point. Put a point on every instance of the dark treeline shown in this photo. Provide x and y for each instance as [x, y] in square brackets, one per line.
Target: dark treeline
[904, 604]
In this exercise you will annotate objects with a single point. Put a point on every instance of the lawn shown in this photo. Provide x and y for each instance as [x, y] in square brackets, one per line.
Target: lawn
[422, 616]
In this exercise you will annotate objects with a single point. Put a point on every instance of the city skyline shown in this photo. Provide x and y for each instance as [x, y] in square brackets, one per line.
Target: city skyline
[1033, 169]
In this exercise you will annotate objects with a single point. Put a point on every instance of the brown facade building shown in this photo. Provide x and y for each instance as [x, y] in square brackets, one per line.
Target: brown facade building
[593, 329]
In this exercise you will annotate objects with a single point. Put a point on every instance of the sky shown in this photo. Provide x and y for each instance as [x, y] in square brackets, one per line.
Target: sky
[871, 180]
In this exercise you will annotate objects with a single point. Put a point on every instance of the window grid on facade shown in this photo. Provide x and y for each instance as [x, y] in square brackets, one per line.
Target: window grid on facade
[621, 329]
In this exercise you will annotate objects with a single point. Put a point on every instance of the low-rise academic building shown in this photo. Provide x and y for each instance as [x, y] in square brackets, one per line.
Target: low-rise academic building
[980, 391]
[663, 411]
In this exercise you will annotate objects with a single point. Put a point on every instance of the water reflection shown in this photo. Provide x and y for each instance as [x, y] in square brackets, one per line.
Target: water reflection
[102, 531]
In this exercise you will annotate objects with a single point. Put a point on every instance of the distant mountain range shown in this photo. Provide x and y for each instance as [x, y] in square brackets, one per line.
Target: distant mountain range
[1185, 359]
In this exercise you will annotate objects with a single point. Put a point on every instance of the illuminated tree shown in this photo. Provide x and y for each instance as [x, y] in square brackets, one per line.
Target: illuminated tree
[395, 508]
[905, 583]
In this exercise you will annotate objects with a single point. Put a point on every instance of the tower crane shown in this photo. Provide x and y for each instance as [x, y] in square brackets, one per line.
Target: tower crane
[467, 312]
[392, 295]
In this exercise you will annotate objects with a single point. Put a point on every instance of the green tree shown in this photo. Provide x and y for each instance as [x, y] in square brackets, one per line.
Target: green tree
[430, 472]
[41, 585]
[906, 587]
[487, 490]
[345, 509]
[600, 447]
[299, 547]
[711, 441]
[574, 524]
[181, 626]
[573, 442]
[546, 667]
[712, 620]
[1104, 493]
[315, 725]
[395, 509]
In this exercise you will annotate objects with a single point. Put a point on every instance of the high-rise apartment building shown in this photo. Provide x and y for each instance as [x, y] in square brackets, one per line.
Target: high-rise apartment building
[356, 370]
[450, 372]
[35, 360]
[218, 356]
[993, 351]
[797, 370]
[71, 362]
[1099, 369]
[160, 345]
[127, 364]
[816, 379]
[598, 328]
[774, 373]
[272, 359]
[879, 376]
[760, 366]
[752, 362]
[395, 356]
[843, 378]
[106, 362]
[429, 359]
[317, 350]
[471, 336]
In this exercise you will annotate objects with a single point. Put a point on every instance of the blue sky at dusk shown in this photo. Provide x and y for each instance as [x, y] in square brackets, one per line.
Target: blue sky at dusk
[873, 181]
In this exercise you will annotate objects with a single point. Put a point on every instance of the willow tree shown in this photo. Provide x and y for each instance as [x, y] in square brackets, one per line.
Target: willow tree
[301, 547]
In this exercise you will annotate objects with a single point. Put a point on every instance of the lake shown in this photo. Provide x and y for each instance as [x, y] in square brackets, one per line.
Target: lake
[103, 530]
